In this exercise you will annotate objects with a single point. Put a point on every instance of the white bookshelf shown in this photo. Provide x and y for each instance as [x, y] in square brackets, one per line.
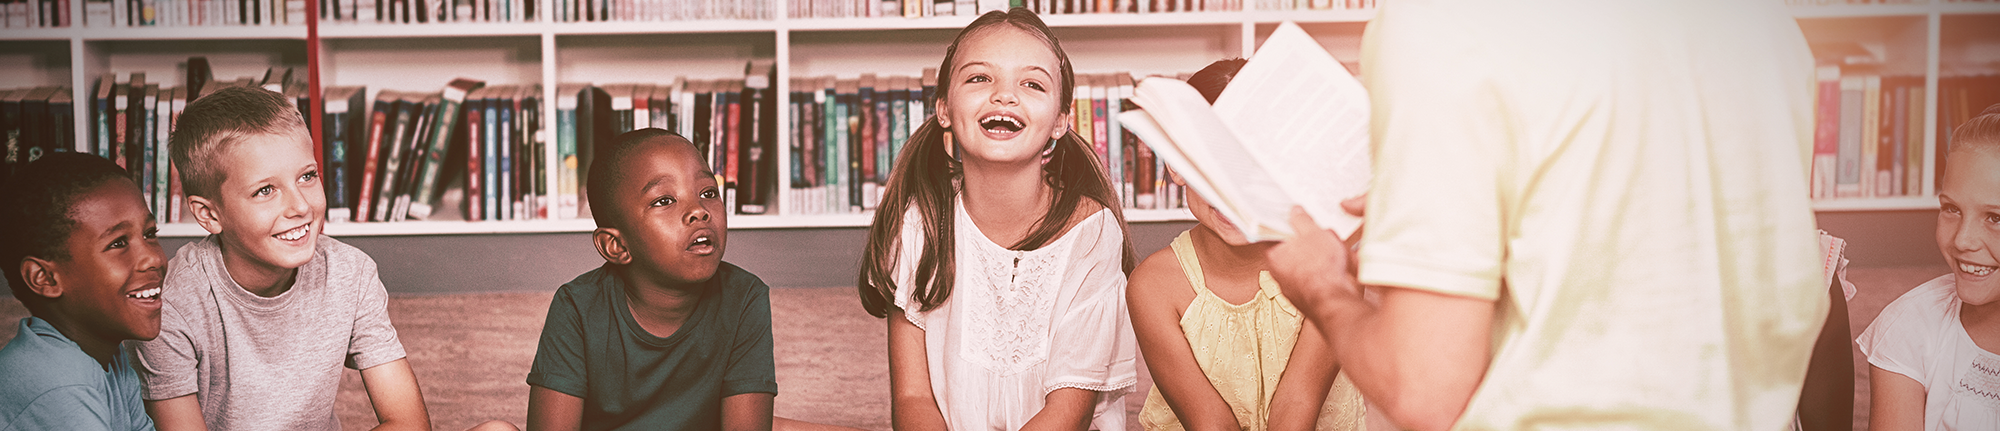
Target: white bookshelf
[1926, 39]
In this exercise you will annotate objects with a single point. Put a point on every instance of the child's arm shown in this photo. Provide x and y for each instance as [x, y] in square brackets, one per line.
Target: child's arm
[747, 412]
[399, 404]
[1064, 409]
[1898, 401]
[913, 406]
[549, 410]
[182, 413]
[1156, 313]
[1303, 388]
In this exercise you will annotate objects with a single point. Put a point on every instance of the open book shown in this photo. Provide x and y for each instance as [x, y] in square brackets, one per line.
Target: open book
[1291, 129]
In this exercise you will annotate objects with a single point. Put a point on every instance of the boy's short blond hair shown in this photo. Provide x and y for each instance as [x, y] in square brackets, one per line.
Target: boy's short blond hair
[1982, 132]
[218, 121]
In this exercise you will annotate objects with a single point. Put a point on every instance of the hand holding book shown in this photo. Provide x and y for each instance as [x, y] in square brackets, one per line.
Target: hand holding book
[1290, 130]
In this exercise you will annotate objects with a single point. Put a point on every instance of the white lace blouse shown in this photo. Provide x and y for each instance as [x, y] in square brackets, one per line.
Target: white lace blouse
[1021, 324]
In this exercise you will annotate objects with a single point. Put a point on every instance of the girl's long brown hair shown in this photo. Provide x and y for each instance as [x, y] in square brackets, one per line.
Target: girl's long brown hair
[925, 176]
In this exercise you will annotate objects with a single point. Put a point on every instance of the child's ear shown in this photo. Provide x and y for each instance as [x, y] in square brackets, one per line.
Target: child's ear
[943, 118]
[1062, 125]
[611, 245]
[205, 213]
[40, 275]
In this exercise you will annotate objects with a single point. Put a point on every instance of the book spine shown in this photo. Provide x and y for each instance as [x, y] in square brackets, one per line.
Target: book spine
[1913, 183]
[1848, 180]
[566, 162]
[370, 162]
[475, 159]
[490, 172]
[335, 172]
[1826, 134]
[503, 189]
[392, 158]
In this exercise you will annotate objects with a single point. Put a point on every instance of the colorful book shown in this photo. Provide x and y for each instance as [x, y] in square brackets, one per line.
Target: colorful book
[435, 145]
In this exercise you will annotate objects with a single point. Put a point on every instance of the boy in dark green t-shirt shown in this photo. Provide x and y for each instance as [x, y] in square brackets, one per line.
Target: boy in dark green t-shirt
[664, 336]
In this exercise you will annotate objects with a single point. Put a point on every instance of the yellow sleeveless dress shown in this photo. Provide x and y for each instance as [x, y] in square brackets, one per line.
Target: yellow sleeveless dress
[1243, 349]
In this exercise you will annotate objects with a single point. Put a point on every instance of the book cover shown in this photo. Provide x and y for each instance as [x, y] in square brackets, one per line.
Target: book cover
[436, 144]
[393, 152]
[1914, 173]
[1254, 160]
[757, 152]
[864, 141]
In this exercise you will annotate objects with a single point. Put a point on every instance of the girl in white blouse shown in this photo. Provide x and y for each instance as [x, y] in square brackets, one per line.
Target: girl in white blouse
[998, 253]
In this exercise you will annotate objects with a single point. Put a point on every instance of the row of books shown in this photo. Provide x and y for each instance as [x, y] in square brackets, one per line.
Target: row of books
[129, 122]
[428, 11]
[659, 10]
[34, 122]
[34, 13]
[926, 8]
[1959, 99]
[1868, 139]
[189, 13]
[846, 133]
[732, 121]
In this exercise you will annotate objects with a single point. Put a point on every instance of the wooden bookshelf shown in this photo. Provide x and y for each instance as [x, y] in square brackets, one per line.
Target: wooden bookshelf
[408, 57]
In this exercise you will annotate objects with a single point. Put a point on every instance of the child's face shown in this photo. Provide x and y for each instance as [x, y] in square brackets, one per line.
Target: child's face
[675, 223]
[1211, 218]
[112, 277]
[1968, 228]
[1002, 105]
[269, 204]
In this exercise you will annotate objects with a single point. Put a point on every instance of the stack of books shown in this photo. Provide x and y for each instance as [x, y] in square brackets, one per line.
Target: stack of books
[34, 13]
[659, 10]
[846, 133]
[130, 120]
[1869, 136]
[35, 122]
[192, 13]
[428, 11]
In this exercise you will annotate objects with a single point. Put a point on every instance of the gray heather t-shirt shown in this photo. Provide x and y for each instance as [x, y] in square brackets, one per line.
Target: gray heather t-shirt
[260, 363]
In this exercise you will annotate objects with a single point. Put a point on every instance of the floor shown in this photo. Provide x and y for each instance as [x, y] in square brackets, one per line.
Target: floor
[472, 352]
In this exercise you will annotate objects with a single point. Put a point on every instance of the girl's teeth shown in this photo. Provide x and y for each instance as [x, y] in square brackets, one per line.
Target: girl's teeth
[1975, 269]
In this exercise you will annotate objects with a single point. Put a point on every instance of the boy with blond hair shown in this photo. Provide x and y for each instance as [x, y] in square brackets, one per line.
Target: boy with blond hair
[261, 315]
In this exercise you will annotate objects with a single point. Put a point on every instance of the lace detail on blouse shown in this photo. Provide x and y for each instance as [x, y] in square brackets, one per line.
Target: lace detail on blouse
[1009, 301]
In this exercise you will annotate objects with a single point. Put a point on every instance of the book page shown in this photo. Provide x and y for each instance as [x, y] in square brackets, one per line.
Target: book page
[1305, 120]
[1242, 189]
[1141, 124]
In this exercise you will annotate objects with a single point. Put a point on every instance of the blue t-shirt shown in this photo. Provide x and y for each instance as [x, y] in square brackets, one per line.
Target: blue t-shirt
[628, 378]
[48, 383]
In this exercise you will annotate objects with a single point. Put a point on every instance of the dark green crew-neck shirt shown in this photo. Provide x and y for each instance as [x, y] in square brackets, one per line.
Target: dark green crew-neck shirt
[630, 379]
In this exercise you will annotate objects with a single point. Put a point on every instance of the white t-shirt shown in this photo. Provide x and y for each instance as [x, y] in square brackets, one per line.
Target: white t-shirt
[1626, 180]
[1919, 336]
[1021, 324]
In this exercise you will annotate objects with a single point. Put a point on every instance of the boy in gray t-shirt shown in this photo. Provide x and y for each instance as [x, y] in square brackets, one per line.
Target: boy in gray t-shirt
[260, 316]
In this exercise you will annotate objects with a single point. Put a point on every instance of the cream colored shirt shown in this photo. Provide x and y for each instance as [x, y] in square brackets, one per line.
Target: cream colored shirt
[1023, 323]
[1626, 180]
[1243, 350]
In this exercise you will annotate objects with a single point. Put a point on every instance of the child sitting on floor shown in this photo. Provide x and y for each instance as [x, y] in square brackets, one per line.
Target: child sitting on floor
[1932, 353]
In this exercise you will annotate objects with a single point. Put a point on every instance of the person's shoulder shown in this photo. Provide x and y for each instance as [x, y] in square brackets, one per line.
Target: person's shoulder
[1924, 306]
[1160, 278]
[739, 283]
[589, 285]
[39, 360]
